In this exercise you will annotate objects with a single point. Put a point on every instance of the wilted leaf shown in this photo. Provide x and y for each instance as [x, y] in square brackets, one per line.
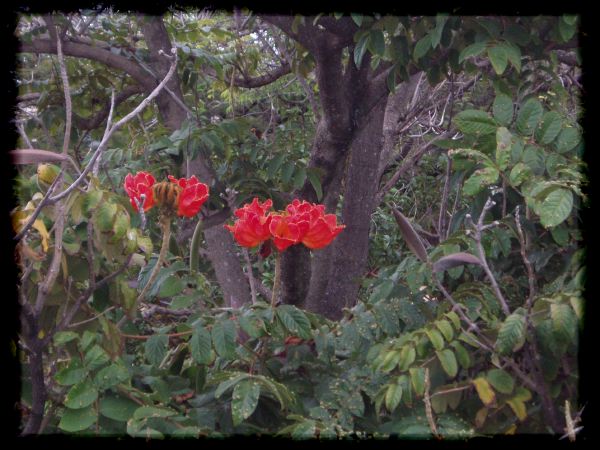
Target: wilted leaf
[453, 260]
[484, 390]
[410, 235]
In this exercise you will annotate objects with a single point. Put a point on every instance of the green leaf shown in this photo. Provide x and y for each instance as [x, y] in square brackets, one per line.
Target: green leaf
[564, 321]
[435, 338]
[498, 58]
[550, 128]
[503, 147]
[501, 380]
[254, 326]
[105, 216]
[81, 395]
[462, 355]
[393, 395]
[480, 179]
[274, 165]
[90, 201]
[145, 412]
[417, 379]
[377, 42]
[287, 171]
[223, 336]
[436, 33]
[511, 336]
[117, 408]
[360, 49]
[74, 420]
[111, 376]
[534, 158]
[519, 173]
[446, 329]
[529, 116]
[294, 320]
[422, 47]
[72, 374]
[407, 357]
[474, 121]
[201, 345]
[566, 30]
[448, 361]
[121, 224]
[484, 390]
[390, 361]
[503, 109]
[95, 357]
[62, 337]
[514, 55]
[357, 18]
[472, 50]
[315, 181]
[170, 287]
[224, 386]
[299, 178]
[155, 348]
[556, 207]
[568, 138]
[244, 400]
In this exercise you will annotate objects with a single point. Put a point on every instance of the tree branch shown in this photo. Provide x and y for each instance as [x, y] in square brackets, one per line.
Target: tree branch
[263, 80]
[92, 122]
[94, 53]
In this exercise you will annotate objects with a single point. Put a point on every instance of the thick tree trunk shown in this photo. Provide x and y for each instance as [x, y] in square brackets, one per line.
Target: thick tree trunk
[38, 388]
[348, 254]
[221, 247]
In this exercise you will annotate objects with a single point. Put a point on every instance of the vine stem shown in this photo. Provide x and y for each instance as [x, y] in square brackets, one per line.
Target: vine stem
[277, 279]
[165, 222]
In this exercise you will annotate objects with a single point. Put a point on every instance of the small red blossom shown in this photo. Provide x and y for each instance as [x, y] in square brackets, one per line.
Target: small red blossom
[252, 226]
[322, 228]
[192, 196]
[137, 185]
[287, 230]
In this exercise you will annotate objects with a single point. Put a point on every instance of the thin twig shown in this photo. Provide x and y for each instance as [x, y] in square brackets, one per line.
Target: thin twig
[477, 229]
[528, 266]
[428, 409]
[91, 319]
[115, 127]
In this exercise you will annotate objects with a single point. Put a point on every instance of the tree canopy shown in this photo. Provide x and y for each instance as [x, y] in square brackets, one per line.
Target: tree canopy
[316, 227]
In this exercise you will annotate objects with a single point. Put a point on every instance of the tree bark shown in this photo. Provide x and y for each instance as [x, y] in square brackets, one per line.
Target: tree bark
[348, 254]
[38, 386]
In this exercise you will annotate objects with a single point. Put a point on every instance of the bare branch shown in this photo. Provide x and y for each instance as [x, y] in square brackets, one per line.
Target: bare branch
[116, 126]
[92, 122]
[477, 229]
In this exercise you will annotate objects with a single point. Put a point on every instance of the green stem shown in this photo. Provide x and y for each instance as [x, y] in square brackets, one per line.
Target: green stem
[195, 247]
[165, 223]
[277, 279]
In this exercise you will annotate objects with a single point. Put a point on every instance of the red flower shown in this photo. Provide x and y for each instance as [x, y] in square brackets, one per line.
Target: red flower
[252, 226]
[287, 230]
[322, 228]
[192, 196]
[137, 185]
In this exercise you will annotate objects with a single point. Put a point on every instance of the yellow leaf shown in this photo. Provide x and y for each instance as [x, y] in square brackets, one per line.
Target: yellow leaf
[65, 269]
[484, 390]
[480, 417]
[518, 408]
[41, 228]
[41, 334]
[511, 429]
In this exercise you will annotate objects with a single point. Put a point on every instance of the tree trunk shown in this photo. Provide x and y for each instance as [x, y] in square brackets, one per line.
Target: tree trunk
[38, 387]
[220, 245]
[348, 254]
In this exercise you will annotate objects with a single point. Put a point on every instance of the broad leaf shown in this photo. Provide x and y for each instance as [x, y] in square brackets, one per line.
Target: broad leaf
[201, 345]
[223, 336]
[498, 58]
[81, 395]
[529, 116]
[474, 121]
[501, 380]
[484, 390]
[556, 207]
[155, 348]
[503, 109]
[74, 420]
[511, 336]
[448, 361]
[244, 400]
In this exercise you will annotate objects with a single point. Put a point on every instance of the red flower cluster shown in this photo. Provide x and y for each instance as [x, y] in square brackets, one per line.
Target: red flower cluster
[301, 222]
[185, 196]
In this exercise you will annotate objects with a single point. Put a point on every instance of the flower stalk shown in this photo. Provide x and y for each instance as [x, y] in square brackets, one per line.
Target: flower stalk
[277, 278]
[165, 223]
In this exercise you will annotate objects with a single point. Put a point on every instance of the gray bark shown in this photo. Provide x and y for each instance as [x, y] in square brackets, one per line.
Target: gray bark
[348, 254]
